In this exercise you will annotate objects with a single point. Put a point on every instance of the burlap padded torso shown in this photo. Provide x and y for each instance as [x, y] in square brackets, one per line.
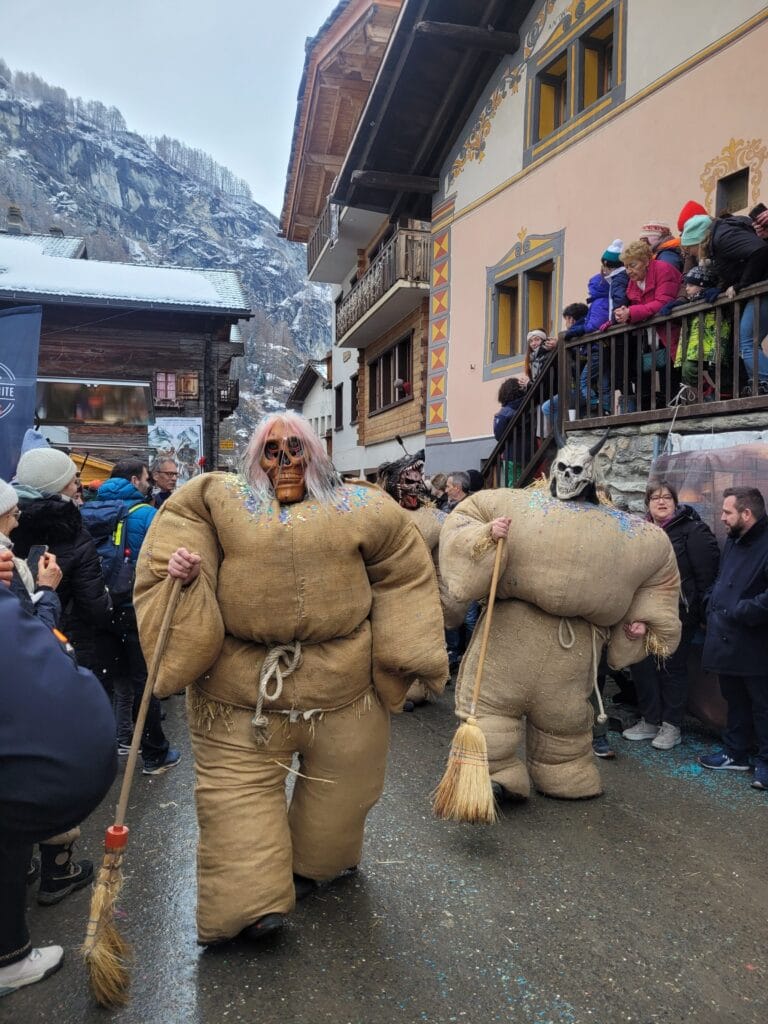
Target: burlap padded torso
[350, 580]
[571, 559]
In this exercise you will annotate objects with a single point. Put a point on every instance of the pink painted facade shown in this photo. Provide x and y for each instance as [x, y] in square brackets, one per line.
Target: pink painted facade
[673, 139]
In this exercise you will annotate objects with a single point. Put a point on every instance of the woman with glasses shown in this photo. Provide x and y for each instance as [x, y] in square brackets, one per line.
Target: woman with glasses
[662, 687]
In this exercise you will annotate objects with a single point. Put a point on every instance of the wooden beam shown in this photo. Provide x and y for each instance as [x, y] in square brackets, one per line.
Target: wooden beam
[330, 160]
[469, 35]
[301, 220]
[349, 85]
[395, 182]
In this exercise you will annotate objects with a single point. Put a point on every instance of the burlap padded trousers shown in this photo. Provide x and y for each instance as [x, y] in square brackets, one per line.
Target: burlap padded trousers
[251, 842]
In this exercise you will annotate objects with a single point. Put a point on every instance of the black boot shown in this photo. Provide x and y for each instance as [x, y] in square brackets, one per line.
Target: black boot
[264, 926]
[304, 886]
[59, 874]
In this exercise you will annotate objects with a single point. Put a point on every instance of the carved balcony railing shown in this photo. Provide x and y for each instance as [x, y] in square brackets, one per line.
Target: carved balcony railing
[405, 257]
[229, 396]
[325, 231]
[627, 376]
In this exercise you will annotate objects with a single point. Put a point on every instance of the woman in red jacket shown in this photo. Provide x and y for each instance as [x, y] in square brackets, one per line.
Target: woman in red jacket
[652, 284]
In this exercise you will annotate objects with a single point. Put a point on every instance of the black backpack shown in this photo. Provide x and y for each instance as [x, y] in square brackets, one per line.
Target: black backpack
[105, 520]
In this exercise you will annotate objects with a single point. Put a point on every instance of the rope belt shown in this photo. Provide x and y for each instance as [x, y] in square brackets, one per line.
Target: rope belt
[273, 672]
[567, 639]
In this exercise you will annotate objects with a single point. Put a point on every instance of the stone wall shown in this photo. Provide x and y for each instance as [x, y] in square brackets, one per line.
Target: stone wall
[628, 454]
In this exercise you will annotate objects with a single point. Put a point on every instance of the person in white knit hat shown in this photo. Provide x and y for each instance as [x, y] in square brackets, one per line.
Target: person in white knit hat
[49, 471]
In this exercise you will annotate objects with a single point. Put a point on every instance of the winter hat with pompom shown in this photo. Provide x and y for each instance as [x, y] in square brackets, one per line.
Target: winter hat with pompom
[613, 253]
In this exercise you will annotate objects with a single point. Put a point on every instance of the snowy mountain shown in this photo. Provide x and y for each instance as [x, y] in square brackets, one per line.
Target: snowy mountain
[75, 166]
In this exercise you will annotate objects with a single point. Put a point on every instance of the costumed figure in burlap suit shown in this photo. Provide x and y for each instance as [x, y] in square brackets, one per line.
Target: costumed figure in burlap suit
[309, 607]
[575, 576]
[403, 480]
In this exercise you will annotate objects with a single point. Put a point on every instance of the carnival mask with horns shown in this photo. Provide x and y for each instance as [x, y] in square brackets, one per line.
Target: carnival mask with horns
[404, 480]
[574, 469]
[284, 460]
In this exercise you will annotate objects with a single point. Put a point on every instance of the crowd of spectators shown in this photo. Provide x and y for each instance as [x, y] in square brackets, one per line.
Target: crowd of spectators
[656, 275]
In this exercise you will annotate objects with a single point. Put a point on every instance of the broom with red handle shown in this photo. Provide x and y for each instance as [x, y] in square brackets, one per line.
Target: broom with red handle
[107, 954]
[465, 792]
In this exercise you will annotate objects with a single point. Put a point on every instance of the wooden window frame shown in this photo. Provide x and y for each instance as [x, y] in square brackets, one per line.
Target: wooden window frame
[522, 307]
[722, 188]
[354, 399]
[532, 256]
[384, 370]
[188, 384]
[165, 382]
[572, 41]
[559, 84]
[602, 48]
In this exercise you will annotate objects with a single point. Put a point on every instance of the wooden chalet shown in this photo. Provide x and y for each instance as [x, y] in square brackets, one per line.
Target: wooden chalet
[122, 345]
[341, 63]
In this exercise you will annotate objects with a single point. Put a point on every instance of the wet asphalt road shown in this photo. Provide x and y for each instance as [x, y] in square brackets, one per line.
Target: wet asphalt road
[649, 904]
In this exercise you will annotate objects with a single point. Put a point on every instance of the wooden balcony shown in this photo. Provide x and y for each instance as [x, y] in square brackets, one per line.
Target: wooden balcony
[626, 377]
[229, 396]
[168, 403]
[392, 286]
[321, 235]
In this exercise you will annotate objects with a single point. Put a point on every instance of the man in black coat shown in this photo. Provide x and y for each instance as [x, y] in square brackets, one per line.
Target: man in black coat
[736, 645]
[58, 758]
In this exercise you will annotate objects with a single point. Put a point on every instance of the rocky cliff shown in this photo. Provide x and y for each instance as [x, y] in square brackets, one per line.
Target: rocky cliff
[91, 177]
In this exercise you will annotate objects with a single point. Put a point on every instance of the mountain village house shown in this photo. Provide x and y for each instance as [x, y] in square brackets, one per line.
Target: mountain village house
[124, 347]
[379, 268]
[530, 135]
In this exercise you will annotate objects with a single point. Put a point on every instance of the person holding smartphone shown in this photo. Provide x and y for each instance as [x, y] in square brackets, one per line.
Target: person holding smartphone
[36, 591]
[46, 491]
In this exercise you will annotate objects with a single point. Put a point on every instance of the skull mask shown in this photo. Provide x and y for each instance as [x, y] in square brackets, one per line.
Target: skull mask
[285, 463]
[573, 472]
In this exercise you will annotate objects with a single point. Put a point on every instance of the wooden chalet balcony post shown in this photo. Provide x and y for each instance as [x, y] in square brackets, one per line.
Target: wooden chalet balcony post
[563, 388]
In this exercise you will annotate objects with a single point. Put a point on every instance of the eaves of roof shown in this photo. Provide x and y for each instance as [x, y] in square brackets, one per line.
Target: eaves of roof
[423, 95]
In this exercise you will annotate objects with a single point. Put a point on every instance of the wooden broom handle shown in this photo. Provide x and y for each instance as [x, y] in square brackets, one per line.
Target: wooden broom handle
[141, 717]
[487, 624]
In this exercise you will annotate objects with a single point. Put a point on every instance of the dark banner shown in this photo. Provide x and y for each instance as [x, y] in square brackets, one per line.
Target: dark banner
[19, 347]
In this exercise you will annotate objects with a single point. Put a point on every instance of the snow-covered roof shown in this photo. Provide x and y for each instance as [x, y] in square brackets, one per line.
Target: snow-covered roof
[313, 370]
[28, 273]
[51, 245]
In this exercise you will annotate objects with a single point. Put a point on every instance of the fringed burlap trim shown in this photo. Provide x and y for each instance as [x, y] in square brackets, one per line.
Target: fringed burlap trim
[483, 545]
[656, 647]
[205, 710]
[360, 705]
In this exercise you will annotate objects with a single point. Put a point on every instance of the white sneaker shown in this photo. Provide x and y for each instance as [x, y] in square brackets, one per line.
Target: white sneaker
[667, 737]
[37, 965]
[641, 730]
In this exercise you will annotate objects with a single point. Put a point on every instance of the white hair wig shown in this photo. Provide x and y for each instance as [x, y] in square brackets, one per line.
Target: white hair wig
[322, 480]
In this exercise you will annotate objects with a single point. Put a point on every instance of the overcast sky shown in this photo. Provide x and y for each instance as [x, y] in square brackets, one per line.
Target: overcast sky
[220, 76]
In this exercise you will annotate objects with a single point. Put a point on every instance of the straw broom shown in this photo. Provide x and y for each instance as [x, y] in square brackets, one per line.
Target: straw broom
[106, 952]
[464, 792]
